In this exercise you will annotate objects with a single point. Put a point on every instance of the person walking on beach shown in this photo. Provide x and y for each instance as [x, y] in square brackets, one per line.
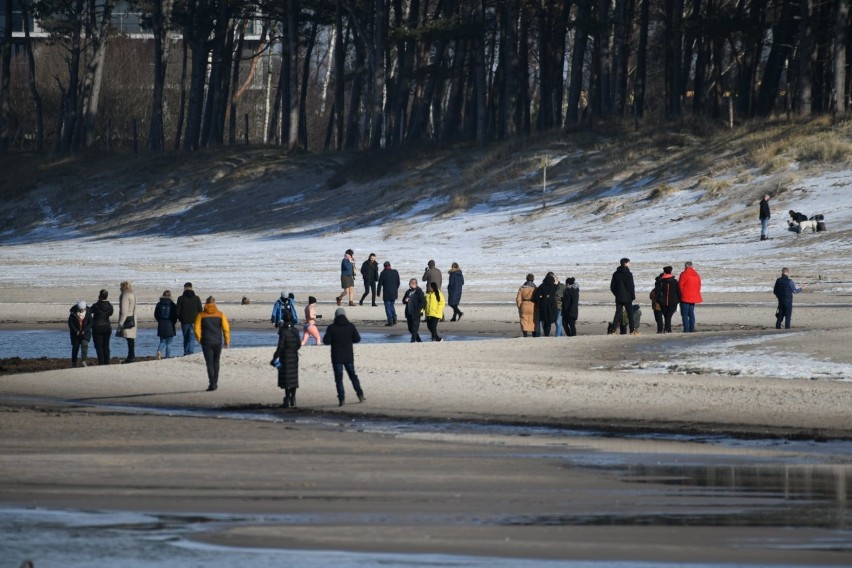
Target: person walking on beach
[212, 332]
[434, 310]
[454, 291]
[432, 274]
[370, 274]
[284, 304]
[545, 303]
[570, 306]
[784, 290]
[668, 296]
[127, 319]
[624, 291]
[415, 303]
[101, 327]
[389, 284]
[341, 336]
[188, 308]
[690, 294]
[166, 315]
[764, 217]
[526, 306]
[310, 322]
[347, 277]
[560, 293]
[80, 327]
[286, 358]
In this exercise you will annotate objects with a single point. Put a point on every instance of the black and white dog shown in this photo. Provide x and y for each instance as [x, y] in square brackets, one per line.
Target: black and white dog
[798, 217]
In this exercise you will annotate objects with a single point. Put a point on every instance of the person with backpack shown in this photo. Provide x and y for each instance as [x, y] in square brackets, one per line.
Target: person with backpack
[165, 312]
[668, 296]
[283, 304]
[188, 308]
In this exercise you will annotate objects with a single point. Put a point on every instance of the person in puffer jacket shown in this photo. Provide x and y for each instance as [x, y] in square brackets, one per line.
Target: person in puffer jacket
[690, 294]
[211, 326]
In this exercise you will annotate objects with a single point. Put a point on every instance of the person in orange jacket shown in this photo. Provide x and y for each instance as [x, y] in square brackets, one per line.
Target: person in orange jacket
[211, 326]
[690, 294]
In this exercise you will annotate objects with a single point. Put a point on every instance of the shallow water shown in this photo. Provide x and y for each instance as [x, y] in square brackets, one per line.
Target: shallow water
[30, 344]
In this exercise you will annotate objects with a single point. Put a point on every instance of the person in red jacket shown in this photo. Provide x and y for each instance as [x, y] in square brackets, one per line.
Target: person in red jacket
[690, 294]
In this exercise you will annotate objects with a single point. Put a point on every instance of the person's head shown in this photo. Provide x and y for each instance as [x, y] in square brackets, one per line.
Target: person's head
[549, 278]
[687, 264]
[312, 300]
[285, 294]
[124, 286]
[625, 262]
[455, 266]
[570, 281]
[210, 300]
[103, 295]
[187, 286]
[785, 272]
[412, 283]
[667, 270]
[431, 264]
[373, 257]
[81, 306]
[339, 312]
[387, 264]
[530, 277]
[350, 252]
[766, 197]
[167, 294]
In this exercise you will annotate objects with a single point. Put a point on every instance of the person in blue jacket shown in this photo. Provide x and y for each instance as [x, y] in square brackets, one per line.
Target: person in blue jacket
[284, 304]
[784, 290]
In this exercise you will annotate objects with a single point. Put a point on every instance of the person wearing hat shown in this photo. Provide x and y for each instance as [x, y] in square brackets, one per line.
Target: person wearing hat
[286, 359]
[341, 335]
[166, 315]
[284, 304]
[188, 308]
[389, 282]
[80, 326]
[211, 326]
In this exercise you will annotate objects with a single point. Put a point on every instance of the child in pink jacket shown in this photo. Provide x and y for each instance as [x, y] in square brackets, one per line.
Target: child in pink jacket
[311, 322]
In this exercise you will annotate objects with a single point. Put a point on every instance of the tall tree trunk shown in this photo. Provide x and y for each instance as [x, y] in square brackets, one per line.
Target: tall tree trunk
[544, 19]
[353, 131]
[620, 55]
[523, 84]
[377, 63]
[160, 17]
[453, 114]
[674, 56]
[508, 121]
[751, 53]
[39, 106]
[480, 76]
[182, 99]
[841, 46]
[71, 110]
[339, 77]
[292, 96]
[701, 50]
[806, 55]
[578, 56]
[783, 34]
[642, 59]
[310, 42]
[601, 96]
[97, 34]
[6, 77]
[235, 81]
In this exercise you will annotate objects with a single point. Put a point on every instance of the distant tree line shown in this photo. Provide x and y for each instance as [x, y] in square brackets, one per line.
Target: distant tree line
[370, 74]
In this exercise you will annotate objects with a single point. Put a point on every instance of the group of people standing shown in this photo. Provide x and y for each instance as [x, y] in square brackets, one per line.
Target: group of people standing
[551, 304]
[87, 323]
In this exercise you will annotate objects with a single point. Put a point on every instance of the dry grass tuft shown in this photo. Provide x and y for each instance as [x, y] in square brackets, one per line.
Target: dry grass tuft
[661, 191]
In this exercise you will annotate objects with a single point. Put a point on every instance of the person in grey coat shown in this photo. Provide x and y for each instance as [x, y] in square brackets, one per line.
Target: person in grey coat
[286, 359]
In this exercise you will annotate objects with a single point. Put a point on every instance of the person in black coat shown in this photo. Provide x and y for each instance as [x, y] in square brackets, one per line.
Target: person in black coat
[389, 283]
[764, 217]
[624, 291]
[570, 307]
[784, 289]
[415, 302]
[341, 336]
[370, 274]
[165, 312]
[454, 291]
[286, 358]
[545, 303]
[668, 296]
[80, 326]
[101, 327]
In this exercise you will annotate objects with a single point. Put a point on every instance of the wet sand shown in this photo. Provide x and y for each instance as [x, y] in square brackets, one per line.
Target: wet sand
[514, 496]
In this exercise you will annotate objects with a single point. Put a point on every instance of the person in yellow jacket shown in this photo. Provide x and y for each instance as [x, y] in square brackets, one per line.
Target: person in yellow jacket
[435, 303]
[211, 326]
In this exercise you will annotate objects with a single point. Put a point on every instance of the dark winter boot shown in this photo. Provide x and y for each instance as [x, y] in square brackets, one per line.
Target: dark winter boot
[292, 398]
[286, 403]
[361, 397]
[340, 400]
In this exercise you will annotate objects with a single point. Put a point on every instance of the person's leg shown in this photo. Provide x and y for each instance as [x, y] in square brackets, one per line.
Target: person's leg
[764, 225]
[409, 322]
[217, 354]
[779, 315]
[75, 347]
[169, 347]
[389, 311]
[788, 316]
[84, 351]
[617, 320]
[161, 348]
[366, 291]
[188, 338]
[432, 325]
[373, 293]
[356, 384]
[393, 312]
[558, 322]
[572, 328]
[208, 361]
[97, 338]
[351, 293]
[455, 310]
[131, 349]
[338, 381]
[545, 327]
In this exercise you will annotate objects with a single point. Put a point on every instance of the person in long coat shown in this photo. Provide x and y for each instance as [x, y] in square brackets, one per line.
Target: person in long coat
[570, 306]
[80, 326]
[127, 309]
[545, 302]
[101, 327]
[286, 358]
[454, 291]
[526, 305]
[623, 289]
[165, 312]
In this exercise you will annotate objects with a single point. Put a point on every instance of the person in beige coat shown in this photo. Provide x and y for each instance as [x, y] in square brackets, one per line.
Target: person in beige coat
[127, 319]
[526, 306]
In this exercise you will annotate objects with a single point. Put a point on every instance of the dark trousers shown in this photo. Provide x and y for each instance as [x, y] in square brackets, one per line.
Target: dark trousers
[456, 311]
[131, 348]
[368, 288]
[668, 312]
[80, 344]
[188, 331]
[620, 307]
[432, 324]
[658, 317]
[211, 357]
[338, 378]
[390, 311]
[414, 328]
[570, 326]
[785, 313]
[101, 341]
[545, 328]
